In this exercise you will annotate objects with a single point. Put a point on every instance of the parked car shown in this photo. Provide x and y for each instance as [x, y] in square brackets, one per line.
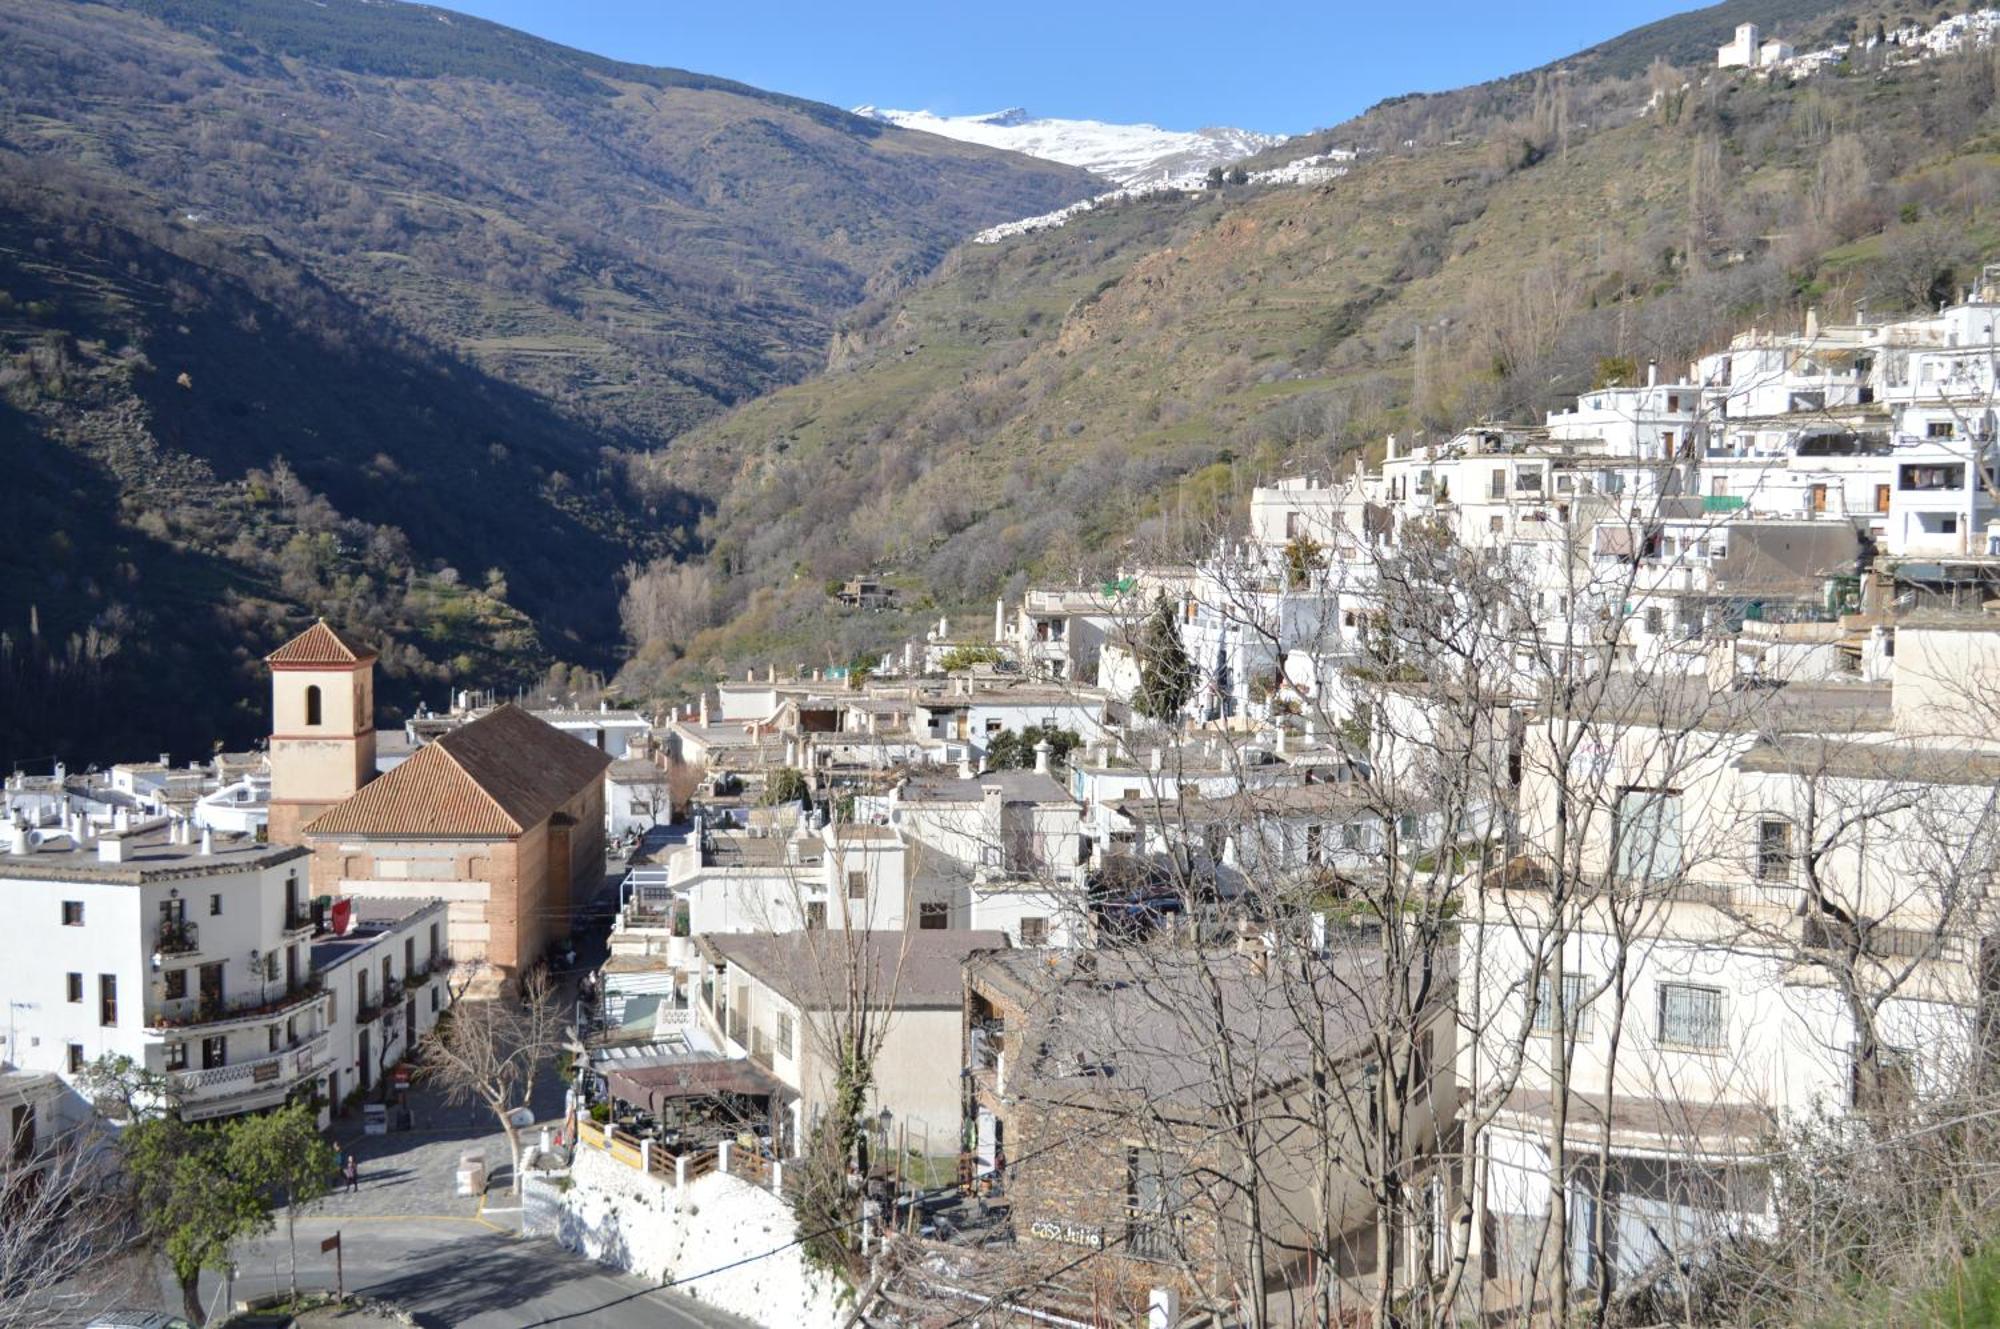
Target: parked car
[138, 1320]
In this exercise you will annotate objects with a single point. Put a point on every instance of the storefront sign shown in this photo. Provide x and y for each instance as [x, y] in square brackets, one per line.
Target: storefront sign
[265, 1071]
[1068, 1234]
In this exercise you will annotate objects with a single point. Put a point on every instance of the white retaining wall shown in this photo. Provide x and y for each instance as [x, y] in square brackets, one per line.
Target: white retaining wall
[619, 1216]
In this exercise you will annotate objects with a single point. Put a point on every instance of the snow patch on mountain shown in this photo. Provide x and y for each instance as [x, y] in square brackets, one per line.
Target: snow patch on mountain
[1132, 155]
[1315, 170]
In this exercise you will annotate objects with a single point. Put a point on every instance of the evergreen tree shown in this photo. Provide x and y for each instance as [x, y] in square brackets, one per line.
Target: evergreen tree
[1166, 674]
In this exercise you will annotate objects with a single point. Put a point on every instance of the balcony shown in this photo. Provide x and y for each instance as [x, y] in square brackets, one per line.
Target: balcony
[177, 937]
[215, 1091]
[299, 919]
[1155, 1236]
[189, 1012]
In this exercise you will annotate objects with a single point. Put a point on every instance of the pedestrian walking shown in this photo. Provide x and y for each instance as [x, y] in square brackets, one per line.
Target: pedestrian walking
[353, 1173]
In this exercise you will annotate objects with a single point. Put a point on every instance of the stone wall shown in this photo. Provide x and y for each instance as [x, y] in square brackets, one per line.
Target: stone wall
[619, 1216]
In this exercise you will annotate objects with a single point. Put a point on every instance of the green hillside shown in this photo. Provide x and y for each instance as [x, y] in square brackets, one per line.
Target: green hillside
[1069, 399]
[444, 280]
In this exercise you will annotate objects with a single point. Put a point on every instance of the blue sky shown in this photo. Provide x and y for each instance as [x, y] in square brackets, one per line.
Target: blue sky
[1285, 67]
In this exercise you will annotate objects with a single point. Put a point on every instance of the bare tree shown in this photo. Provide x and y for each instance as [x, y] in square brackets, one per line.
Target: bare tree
[491, 1052]
[61, 1214]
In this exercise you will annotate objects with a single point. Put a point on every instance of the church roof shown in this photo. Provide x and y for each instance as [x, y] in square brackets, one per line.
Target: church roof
[493, 778]
[320, 645]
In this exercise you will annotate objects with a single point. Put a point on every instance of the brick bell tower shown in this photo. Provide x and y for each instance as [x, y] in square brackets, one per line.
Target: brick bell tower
[322, 726]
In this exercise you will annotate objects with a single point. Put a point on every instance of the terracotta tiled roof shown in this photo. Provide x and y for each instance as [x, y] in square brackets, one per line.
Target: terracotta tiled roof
[496, 777]
[320, 645]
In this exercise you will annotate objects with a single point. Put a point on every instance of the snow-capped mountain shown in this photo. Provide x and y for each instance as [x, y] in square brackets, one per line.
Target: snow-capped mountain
[1127, 154]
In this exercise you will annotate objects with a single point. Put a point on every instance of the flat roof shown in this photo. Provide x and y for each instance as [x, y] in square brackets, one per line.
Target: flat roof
[149, 856]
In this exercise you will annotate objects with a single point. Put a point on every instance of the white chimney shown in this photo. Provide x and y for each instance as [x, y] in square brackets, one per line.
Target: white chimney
[1280, 739]
[207, 842]
[1154, 761]
[1042, 750]
[750, 676]
[944, 628]
[965, 769]
[1652, 373]
[111, 849]
[121, 821]
[999, 620]
[704, 707]
[17, 838]
[62, 773]
[770, 673]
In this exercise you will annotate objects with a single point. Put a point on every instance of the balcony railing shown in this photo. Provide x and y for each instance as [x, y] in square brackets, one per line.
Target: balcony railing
[1154, 1236]
[292, 1064]
[210, 1010]
[177, 937]
[298, 918]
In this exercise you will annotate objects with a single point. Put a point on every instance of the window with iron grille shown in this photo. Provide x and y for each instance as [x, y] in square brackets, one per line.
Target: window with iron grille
[1575, 1010]
[1690, 1016]
[1774, 849]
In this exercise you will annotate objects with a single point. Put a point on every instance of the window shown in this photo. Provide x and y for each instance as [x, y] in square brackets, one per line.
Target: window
[1666, 442]
[75, 984]
[1648, 831]
[72, 913]
[1881, 498]
[273, 1039]
[175, 979]
[215, 906]
[1350, 835]
[1315, 845]
[933, 916]
[1655, 620]
[1291, 525]
[312, 706]
[815, 915]
[784, 1039]
[1938, 429]
[1690, 1016]
[1498, 487]
[434, 998]
[1930, 476]
[177, 1056]
[1575, 1009]
[214, 1052]
[1034, 932]
[107, 1000]
[434, 941]
[1528, 482]
[1774, 849]
[1673, 402]
[1816, 497]
[76, 1058]
[857, 885]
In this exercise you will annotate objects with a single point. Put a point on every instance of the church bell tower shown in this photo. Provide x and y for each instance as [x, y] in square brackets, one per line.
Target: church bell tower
[322, 726]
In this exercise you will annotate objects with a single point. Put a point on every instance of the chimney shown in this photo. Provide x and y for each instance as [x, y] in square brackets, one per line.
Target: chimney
[121, 820]
[999, 619]
[167, 760]
[1280, 739]
[1154, 760]
[207, 842]
[770, 673]
[1042, 750]
[965, 769]
[62, 773]
[944, 628]
[111, 849]
[1652, 373]
[704, 707]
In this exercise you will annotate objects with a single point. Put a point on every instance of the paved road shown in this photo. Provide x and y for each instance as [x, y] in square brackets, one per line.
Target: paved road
[471, 1274]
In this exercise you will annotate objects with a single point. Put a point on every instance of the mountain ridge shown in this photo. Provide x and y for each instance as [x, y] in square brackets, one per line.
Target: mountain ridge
[501, 270]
